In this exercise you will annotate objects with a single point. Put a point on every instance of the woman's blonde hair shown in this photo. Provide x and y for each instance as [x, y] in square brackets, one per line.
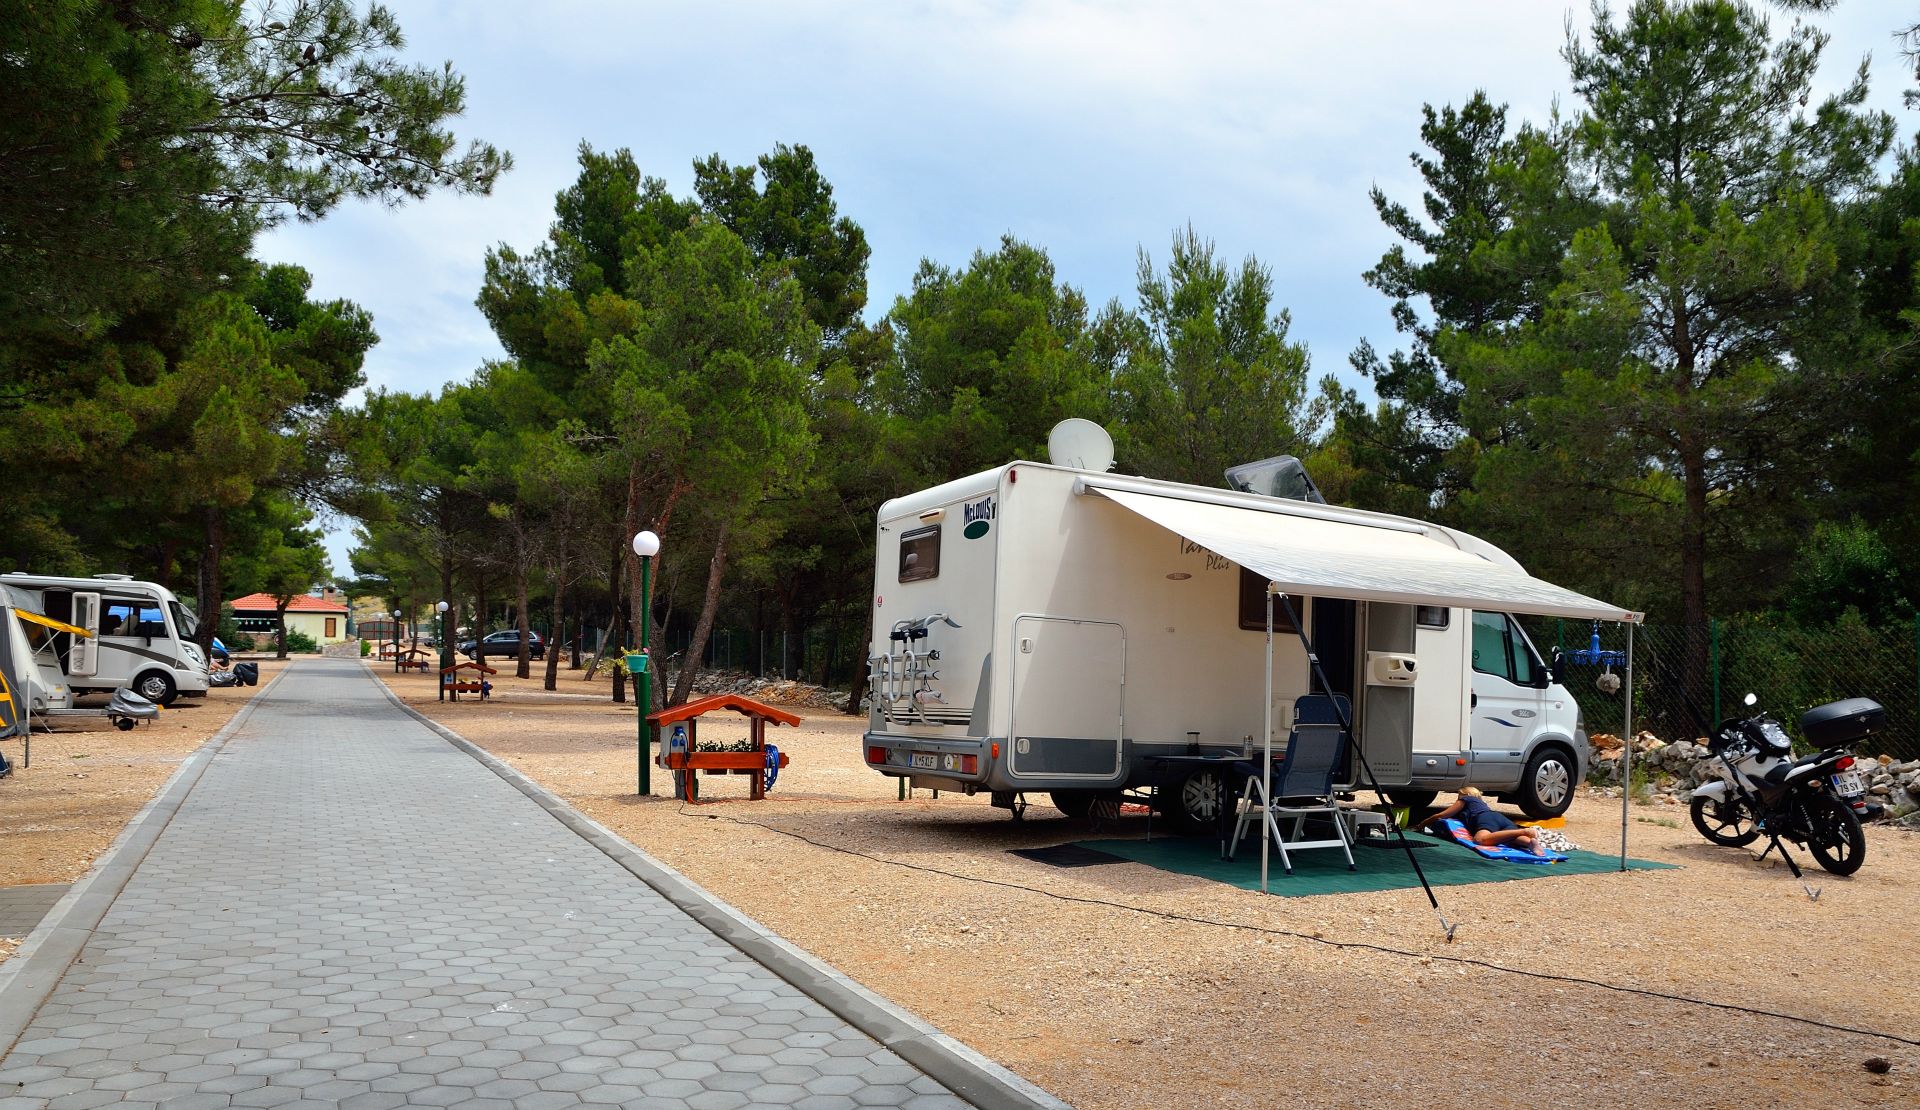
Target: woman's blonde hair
[1470, 792]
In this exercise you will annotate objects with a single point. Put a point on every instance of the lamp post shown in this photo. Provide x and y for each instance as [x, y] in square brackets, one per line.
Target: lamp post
[396, 641]
[646, 545]
[440, 607]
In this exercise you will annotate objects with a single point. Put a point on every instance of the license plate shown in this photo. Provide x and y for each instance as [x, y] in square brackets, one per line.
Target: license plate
[1849, 783]
[929, 760]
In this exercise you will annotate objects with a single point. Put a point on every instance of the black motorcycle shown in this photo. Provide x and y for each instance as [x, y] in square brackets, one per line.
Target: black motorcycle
[1814, 801]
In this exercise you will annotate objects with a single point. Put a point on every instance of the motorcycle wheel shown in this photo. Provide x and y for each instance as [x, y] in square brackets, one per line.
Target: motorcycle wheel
[1834, 835]
[1725, 821]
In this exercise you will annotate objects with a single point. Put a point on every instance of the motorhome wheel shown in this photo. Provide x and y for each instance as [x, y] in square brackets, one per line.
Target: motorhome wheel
[1074, 803]
[156, 687]
[1546, 789]
[1413, 799]
[1194, 807]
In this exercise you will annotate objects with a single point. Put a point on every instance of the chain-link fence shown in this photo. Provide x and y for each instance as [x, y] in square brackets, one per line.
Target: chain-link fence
[1683, 674]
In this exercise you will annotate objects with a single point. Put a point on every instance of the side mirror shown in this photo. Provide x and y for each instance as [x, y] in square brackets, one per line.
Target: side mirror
[1558, 668]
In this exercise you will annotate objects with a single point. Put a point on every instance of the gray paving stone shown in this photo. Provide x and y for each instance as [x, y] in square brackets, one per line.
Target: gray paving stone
[348, 911]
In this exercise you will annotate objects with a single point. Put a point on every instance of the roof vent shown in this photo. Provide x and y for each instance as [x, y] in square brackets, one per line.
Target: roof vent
[116, 577]
[1281, 476]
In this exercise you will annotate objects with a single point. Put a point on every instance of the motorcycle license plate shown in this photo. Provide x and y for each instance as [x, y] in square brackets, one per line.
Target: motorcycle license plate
[1849, 783]
[929, 760]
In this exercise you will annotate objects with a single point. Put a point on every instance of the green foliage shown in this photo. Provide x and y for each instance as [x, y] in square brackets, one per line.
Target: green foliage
[1643, 330]
[228, 629]
[1847, 569]
[1208, 379]
[986, 360]
[790, 217]
[366, 648]
[299, 643]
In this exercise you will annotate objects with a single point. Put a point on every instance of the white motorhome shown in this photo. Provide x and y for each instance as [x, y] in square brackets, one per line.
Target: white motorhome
[1046, 628]
[142, 635]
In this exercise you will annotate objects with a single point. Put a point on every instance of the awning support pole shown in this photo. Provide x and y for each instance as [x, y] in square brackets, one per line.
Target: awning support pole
[1266, 796]
[1346, 725]
[1626, 753]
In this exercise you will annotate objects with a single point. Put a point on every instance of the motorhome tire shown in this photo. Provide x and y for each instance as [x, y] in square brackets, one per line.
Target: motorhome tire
[1074, 803]
[1413, 799]
[157, 687]
[1193, 806]
[1546, 789]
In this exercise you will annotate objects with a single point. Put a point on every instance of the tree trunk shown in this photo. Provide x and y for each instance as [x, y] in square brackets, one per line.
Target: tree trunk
[526, 627]
[859, 691]
[617, 633]
[1693, 560]
[449, 620]
[280, 632]
[579, 631]
[703, 628]
[556, 625]
[786, 635]
[210, 556]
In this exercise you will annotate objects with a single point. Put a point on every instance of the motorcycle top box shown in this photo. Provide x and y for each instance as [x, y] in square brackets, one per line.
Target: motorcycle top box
[1842, 722]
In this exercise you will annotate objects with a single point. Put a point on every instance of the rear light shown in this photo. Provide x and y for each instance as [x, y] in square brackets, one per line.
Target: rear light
[1845, 762]
[996, 749]
[876, 755]
[969, 764]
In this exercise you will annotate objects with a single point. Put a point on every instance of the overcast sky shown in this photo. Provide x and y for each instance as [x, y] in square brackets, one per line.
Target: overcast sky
[1090, 129]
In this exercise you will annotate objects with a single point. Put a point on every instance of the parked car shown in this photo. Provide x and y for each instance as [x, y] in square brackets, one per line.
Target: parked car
[505, 644]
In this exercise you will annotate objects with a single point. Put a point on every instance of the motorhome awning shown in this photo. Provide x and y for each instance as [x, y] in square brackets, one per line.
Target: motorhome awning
[1307, 554]
[58, 626]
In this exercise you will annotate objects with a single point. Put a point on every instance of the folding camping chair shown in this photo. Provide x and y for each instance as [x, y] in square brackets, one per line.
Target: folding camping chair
[1302, 781]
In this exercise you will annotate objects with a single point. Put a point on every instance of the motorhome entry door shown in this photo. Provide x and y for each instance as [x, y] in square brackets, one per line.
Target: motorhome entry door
[83, 660]
[1068, 677]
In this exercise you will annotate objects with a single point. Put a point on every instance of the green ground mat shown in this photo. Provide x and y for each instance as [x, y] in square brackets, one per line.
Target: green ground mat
[1324, 870]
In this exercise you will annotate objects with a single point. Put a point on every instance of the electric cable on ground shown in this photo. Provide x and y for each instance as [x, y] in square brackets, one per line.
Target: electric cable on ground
[1361, 945]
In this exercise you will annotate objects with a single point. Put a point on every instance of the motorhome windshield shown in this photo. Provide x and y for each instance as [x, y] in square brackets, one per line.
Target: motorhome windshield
[186, 622]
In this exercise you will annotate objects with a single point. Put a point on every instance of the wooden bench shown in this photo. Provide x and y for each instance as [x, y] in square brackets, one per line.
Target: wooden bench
[688, 765]
[453, 683]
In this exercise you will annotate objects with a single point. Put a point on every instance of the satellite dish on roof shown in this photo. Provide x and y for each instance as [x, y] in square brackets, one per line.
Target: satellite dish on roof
[1080, 444]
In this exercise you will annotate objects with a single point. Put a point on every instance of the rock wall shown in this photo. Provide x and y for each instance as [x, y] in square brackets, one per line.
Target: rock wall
[1675, 771]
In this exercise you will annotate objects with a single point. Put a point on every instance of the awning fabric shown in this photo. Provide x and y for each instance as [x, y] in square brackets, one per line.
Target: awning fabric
[1305, 555]
[49, 622]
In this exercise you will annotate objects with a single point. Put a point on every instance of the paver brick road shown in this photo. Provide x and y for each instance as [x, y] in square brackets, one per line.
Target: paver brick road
[347, 911]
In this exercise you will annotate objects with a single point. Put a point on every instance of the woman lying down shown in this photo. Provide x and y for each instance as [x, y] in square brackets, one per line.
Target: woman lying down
[1488, 828]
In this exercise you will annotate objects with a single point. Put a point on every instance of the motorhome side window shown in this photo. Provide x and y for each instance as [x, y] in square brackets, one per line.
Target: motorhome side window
[1498, 649]
[1253, 605]
[920, 554]
[1432, 616]
[131, 618]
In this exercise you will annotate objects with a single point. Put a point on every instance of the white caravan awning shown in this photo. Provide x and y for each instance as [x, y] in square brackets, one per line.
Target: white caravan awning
[1307, 553]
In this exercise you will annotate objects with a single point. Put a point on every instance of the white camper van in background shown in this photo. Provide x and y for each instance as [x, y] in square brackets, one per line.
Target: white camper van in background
[142, 635]
[1049, 628]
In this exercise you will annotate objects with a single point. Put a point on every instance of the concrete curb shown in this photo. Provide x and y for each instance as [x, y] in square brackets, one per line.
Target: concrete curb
[962, 1070]
[28, 979]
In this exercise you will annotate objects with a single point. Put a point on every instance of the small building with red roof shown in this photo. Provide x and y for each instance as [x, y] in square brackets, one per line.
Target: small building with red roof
[323, 618]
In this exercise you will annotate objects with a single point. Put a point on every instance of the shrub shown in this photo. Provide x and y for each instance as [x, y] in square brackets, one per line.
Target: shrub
[366, 648]
[299, 643]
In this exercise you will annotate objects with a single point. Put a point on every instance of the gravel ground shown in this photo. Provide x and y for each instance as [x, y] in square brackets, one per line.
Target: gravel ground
[1122, 985]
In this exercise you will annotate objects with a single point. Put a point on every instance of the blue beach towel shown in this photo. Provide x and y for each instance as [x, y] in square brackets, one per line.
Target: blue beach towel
[1512, 855]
